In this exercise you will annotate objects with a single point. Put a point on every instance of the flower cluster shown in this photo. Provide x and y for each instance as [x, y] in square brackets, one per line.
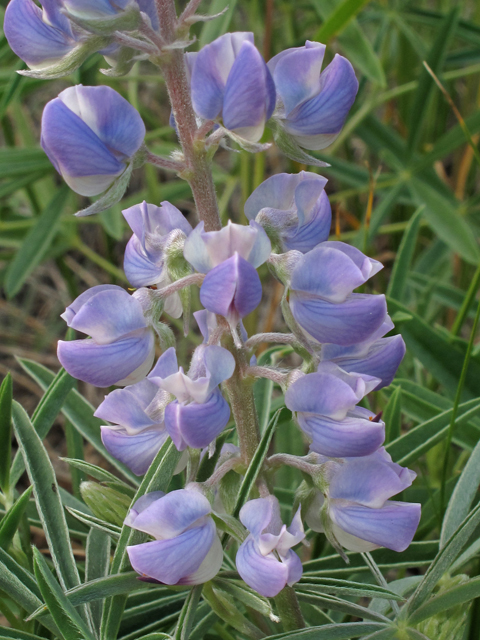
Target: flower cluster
[95, 138]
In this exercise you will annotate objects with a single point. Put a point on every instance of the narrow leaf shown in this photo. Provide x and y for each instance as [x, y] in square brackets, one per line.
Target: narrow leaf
[97, 564]
[450, 598]
[392, 416]
[338, 20]
[11, 520]
[36, 243]
[342, 631]
[403, 261]
[68, 621]
[5, 431]
[49, 504]
[96, 523]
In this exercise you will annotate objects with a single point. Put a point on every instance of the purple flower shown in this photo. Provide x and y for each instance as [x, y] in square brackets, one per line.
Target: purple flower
[326, 411]
[186, 549]
[200, 412]
[40, 37]
[156, 232]
[321, 298]
[230, 258]
[121, 346]
[138, 430]
[293, 209]
[231, 81]
[355, 511]
[377, 356]
[314, 104]
[265, 560]
[90, 135]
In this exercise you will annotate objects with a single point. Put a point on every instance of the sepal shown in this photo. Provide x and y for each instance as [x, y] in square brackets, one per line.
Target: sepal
[290, 147]
[127, 20]
[69, 63]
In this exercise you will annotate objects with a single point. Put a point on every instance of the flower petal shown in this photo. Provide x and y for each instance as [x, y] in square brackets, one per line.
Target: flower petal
[354, 320]
[256, 514]
[126, 407]
[209, 567]
[105, 364]
[297, 74]
[32, 38]
[232, 289]
[369, 480]
[355, 435]
[393, 526]
[325, 113]
[294, 566]
[246, 94]
[166, 365]
[141, 270]
[73, 308]
[266, 574]
[197, 425]
[108, 316]
[137, 451]
[173, 514]
[169, 561]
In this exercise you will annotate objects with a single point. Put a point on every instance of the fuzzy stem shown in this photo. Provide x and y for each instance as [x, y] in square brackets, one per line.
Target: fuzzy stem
[270, 373]
[197, 172]
[240, 393]
[288, 609]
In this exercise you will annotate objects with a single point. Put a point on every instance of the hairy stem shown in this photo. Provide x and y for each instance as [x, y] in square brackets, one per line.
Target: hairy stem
[198, 172]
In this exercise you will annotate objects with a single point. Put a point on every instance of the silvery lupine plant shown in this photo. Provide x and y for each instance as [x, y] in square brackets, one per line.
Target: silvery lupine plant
[95, 138]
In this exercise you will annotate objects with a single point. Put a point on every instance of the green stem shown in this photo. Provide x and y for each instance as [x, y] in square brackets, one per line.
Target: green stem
[288, 608]
[458, 395]
[467, 302]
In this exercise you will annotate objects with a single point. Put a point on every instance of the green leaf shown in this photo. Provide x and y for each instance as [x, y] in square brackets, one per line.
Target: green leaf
[97, 564]
[246, 595]
[445, 219]
[79, 412]
[435, 60]
[157, 478]
[384, 634]
[49, 504]
[403, 261]
[71, 625]
[255, 465]
[92, 470]
[462, 497]
[392, 416]
[444, 559]
[418, 554]
[215, 28]
[338, 20]
[187, 614]
[338, 604]
[96, 523]
[45, 413]
[15, 634]
[334, 586]
[355, 44]
[342, 631]
[447, 599]
[20, 162]
[443, 359]
[11, 520]
[5, 431]
[22, 588]
[226, 609]
[410, 446]
[36, 243]
[113, 194]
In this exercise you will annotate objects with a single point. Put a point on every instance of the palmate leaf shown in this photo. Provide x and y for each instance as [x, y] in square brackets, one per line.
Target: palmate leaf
[447, 599]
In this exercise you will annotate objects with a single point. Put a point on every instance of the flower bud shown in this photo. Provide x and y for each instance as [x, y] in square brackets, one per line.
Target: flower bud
[231, 81]
[186, 549]
[293, 209]
[90, 135]
[355, 511]
[326, 411]
[105, 502]
[200, 412]
[265, 560]
[314, 105]
[120, 349]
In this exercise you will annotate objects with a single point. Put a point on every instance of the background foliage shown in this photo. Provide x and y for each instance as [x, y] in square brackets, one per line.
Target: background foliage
[403, 183]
